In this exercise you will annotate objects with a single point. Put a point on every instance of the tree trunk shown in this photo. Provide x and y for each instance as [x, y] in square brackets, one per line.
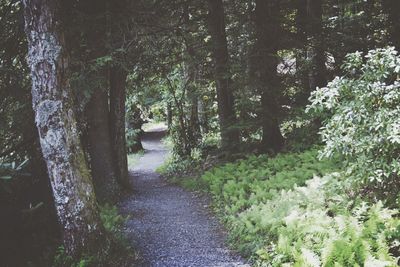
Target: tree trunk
[100, 147]
[169, 116]
[227, 117]
[267, 22]
[117, 126]
[97, 110]
[301, 59]
[134, 123]
[203, 120]
[70, 178]
[392, 8]
[316, 51]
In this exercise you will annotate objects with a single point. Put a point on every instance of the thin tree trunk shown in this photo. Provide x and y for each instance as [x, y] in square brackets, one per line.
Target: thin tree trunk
[301, 60]
[134, 123]
[227, 117]
[70, 178]
[169, 116]
[191, 71]
[268, 24]
[316, 51]
[117, 126]
[202, 116]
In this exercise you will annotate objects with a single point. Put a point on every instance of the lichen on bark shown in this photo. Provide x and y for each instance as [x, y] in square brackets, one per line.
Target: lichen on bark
[51, 96]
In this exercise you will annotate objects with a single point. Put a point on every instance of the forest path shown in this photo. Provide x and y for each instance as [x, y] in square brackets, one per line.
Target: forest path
[168, 225]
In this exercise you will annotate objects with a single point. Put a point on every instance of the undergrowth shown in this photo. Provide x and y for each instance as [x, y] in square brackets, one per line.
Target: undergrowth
[239, 185]
[118, 253]
[296, 210]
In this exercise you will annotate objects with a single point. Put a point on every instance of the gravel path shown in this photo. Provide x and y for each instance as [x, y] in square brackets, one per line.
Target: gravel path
[168, 225]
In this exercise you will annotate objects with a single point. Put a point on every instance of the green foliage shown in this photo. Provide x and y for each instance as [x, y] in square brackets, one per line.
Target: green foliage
[132, 137]
[177, 165]
[237, 186]
[280, 213]
[118, 252]
[112, 220]
[318, 225]
[363, 117]
[61, 259]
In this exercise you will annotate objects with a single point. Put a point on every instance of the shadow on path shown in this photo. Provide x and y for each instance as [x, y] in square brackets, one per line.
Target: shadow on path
[168, 225]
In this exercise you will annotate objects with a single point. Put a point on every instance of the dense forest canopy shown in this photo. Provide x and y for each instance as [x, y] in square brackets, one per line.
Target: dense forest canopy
[275, 108]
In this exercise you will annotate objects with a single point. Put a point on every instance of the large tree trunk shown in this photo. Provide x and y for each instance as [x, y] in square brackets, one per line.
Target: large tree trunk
[268, 83]
[71, 182]
[97, 110]
[117, 126]
[227, 117]
[100, 147]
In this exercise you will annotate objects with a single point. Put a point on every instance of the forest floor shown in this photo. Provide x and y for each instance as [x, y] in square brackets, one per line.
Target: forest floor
[168, 225]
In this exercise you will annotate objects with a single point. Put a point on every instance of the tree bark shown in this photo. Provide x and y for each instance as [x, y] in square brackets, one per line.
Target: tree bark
[316, 51]
[69, 175]
[98, 119]
[203, 120]
[117, 126]
[267, 22]
[392, 8]
[169, 116]
[227, 117]
[191, 71]
[100, 147]
[311, 41]
[302, 69]
[134, 124]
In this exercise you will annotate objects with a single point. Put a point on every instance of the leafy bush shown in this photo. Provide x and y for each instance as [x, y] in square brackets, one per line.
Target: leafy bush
[363, 117]
[132, 137]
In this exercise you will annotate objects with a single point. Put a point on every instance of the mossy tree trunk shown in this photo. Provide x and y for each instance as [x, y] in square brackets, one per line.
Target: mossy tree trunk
[69, 175]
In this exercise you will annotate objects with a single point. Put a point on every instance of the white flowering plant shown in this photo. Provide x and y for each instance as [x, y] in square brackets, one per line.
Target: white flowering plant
[362, 117]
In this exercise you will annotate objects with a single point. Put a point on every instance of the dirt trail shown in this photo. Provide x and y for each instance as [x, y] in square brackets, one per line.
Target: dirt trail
[168, 225]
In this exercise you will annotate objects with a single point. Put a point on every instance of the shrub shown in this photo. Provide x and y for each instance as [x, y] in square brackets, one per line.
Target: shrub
[363, 117]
